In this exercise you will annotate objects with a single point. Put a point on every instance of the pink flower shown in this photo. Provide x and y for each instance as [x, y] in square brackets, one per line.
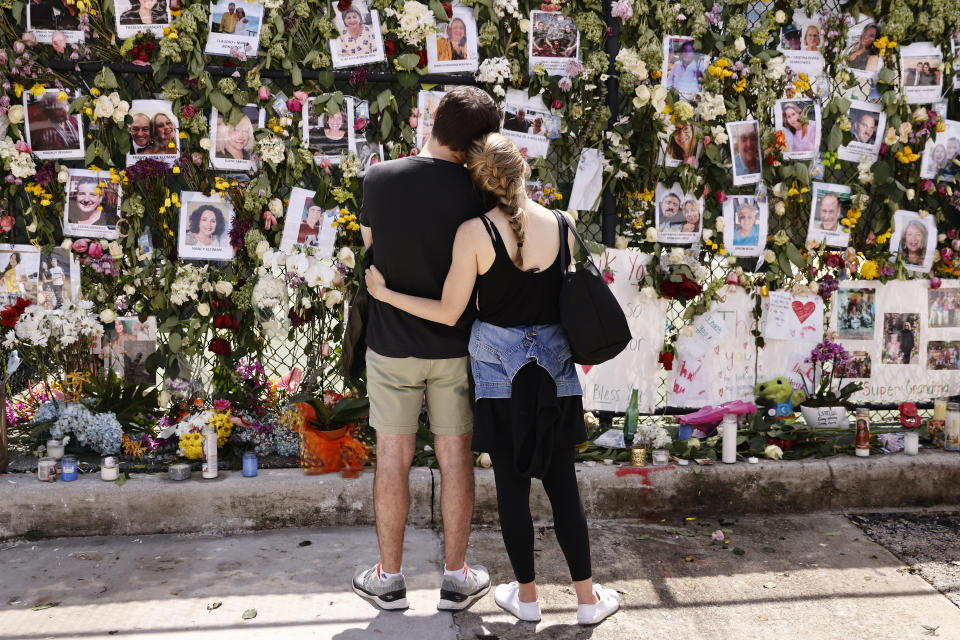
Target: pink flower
[95, 250]
[81, 245]
[294, 105]
[414, 118]
[574, 68]
[221, 404]
[951, 233]
[927, 185]
[360, 124]
[935, 282]
[325, 350]
[301, 96]
[290, 382]
[721, 196]
[263, 93]
[732, 278]
[565, 84]
[59, 41]
[955, 243]
[556, 104]
[22, 147]
[608, 276]
[7, 222]
[19, 47]
[946, 253]
[414, 151]
[325, 165]
[29, 38]
[621, 9]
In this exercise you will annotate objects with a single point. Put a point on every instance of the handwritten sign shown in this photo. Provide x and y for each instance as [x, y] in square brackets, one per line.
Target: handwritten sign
[790, 317]
[606, 387]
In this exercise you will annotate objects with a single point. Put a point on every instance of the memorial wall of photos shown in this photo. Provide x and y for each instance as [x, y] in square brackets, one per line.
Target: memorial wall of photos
[778, 170]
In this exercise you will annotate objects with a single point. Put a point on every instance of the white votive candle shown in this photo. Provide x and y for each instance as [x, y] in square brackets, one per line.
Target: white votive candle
[911, 443]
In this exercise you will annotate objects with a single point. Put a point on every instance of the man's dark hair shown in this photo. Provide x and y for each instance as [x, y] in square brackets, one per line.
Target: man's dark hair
[464, 115]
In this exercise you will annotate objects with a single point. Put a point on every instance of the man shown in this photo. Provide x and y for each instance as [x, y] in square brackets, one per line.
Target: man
[830, 212]
[747, 231]
[59, 132]
[747, 158]
[686, 72]
[865, 128]
[229, 20]
[517, 122]
[411, 210]
[791, 38]
[140, 137]
[53, 15]
[670, 211]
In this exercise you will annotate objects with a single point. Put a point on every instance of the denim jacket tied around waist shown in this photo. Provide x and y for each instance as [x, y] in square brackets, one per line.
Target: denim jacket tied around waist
[498, 353]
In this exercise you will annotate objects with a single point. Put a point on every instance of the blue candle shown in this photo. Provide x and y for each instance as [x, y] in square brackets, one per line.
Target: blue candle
[68, 468]
[249, 464]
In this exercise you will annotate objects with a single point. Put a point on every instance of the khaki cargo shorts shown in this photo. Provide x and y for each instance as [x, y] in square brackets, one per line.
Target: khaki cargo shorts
[396, 387]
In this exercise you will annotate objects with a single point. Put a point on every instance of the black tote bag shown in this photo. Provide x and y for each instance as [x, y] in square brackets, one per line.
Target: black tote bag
[595, 324]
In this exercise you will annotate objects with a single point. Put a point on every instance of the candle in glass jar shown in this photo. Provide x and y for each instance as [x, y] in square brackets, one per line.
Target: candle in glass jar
[951, 430]
[68, 468]
[55, 449]
[249, 464]
[109, 469]
[47, 469]
[939, 409]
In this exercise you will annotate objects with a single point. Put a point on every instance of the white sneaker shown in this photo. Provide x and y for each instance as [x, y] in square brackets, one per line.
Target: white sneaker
[506, 595]
[607, 603]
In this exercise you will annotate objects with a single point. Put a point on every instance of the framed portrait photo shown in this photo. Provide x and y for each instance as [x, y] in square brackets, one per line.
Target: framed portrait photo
[232, 145]
[454, 46]
[679, 215]
[52, 132]
[914, 240]
[141, 16]
[828, 206]
[744, 139]
[234, 28]
[921, 72]
[799, 123]
[745, 225]
[360, 41]
[329, 134]
[154, 132]
[867, 124]
[92, 208]
[308, 224]
[205, 223]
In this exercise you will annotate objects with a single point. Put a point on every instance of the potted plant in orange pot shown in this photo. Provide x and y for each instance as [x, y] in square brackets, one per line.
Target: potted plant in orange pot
[327, 432]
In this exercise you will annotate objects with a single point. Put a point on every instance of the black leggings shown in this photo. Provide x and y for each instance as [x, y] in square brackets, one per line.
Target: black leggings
[516, 523]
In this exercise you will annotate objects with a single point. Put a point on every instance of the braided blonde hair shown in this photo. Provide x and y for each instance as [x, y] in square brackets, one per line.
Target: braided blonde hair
[498, 168]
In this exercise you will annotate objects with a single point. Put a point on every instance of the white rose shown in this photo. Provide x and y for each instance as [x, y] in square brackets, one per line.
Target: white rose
[262, 247]
[163, 399]
[641, 96]
[107, 316]
[942, 237]
[739, 44]
[276, 207]
[484, 460]
[621, 243]
[116, 252]
[780, 208]
[203, 309]
[205, 143]
[224, 288]
[346, 257]
[721, 225]
[115, 99]
[63, 175]
[651, 234]
[524, 25]
[780, 17]
[305, 303]
[910, 194]
[67, 244]
[707, 234]
[332, 298]
[659, 98]
[677, 254]
[769, 256]
[103, 108]
[129, 289]
[15, 114]
[773, 452]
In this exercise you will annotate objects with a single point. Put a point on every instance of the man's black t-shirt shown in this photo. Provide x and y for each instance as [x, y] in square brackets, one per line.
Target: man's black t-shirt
[414, 206]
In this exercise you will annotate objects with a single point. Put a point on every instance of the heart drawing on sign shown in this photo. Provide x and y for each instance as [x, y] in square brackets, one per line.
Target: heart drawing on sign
[802, 310]
[586, 368]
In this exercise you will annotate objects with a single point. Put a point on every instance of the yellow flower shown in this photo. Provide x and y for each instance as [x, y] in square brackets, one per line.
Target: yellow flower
[94, 92]
[176, 169]
[62, 96]
[18, 89]
[647, 194]
[869, 269]
[37, 89]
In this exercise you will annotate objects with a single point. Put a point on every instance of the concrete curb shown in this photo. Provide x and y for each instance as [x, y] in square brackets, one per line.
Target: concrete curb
[288, 498]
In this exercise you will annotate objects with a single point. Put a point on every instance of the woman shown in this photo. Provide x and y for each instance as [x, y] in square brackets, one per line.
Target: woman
[87, 203]
[454, 46]
[11, 282]
[747, 232]
[811, 38]
[913, 246]
[164, 135]
[683, 145]
[234, 141]
[145, 12]
[530, 422]
[114, 349]
[801, 136]
[691, 218]
[358, 39]
[862, 56]
[206, 226]
[309, 232]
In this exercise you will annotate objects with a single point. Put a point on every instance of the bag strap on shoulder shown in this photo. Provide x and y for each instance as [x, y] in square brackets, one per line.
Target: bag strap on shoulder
[565, 224]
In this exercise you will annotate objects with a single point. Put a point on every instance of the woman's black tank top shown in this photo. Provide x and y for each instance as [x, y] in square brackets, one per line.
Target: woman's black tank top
[510, 297]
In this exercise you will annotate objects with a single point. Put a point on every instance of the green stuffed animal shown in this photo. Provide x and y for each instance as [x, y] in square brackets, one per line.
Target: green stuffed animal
[780, 396]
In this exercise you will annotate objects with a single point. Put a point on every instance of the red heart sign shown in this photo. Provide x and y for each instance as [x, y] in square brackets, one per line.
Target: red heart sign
[586, 368]
[803, 311]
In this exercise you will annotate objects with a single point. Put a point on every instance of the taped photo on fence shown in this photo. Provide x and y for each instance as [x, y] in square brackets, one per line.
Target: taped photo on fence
[141, 16]
[360, 41]
[45, 18]
[828, 206]
[914, 240]
[942, 153]
[308, 224]
[858, 367]
[554, 41]
[861, 58]
[233, 144]
[679, 215]
[154, 132]
[955, 50]
[684, 146]
[798, 121]
[921, 72]
[745, 225]
[427, 103]
[867, 124]
[329, 135]
[529, 123]
[856, 313]
[126, 345]
[92, 207]
[47, 281]
[944, 307]
[368, 153]
[801, 42]
[901, 338]
[745, 150]
[454, 46]
[52, 133]
[234, 28]
[943, 355]
[205, 223]
[683, 65]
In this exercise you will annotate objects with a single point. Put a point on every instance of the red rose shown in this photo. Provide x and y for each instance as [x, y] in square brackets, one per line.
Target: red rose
[389, 47]
[666, 359]
[679, 287]
[343, 5]
[188, 111]
[447, 6]
[556, 104]
[219, 346]
[22, 303]
[721, 196]
[834, 260]
[423, 58]
[9, 316]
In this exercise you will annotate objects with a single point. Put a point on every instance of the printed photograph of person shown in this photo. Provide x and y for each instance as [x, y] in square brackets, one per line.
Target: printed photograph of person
[554, 41]
[427, 103]
[154, 131]
[914, 240]
[684, 146]
[858, 367]
[799, 121]
[93, 204]
[745, 224]
[829, 204]
[19, 273]
[51, 283]
[47, 17]
[683, 65]
[862, 58]
[679, 215]
[940, 154]
[867, 123]
[811, 38]
[668, 212]
[864, 127]
[944, 307]
[790, 38]
[901, 338]
[454, 46]
[329, 134]
[234, 28]
[126, 345]
[921, 72]
[360, 40]
[233, 144]
[745, 151]
[856, 313]
[368, 153]
[141, 16]
[310, 224]
[205, 223]
[52, 132]
[942, 355]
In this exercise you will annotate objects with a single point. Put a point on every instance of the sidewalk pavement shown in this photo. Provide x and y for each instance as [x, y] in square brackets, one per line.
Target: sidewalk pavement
[814, 576]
